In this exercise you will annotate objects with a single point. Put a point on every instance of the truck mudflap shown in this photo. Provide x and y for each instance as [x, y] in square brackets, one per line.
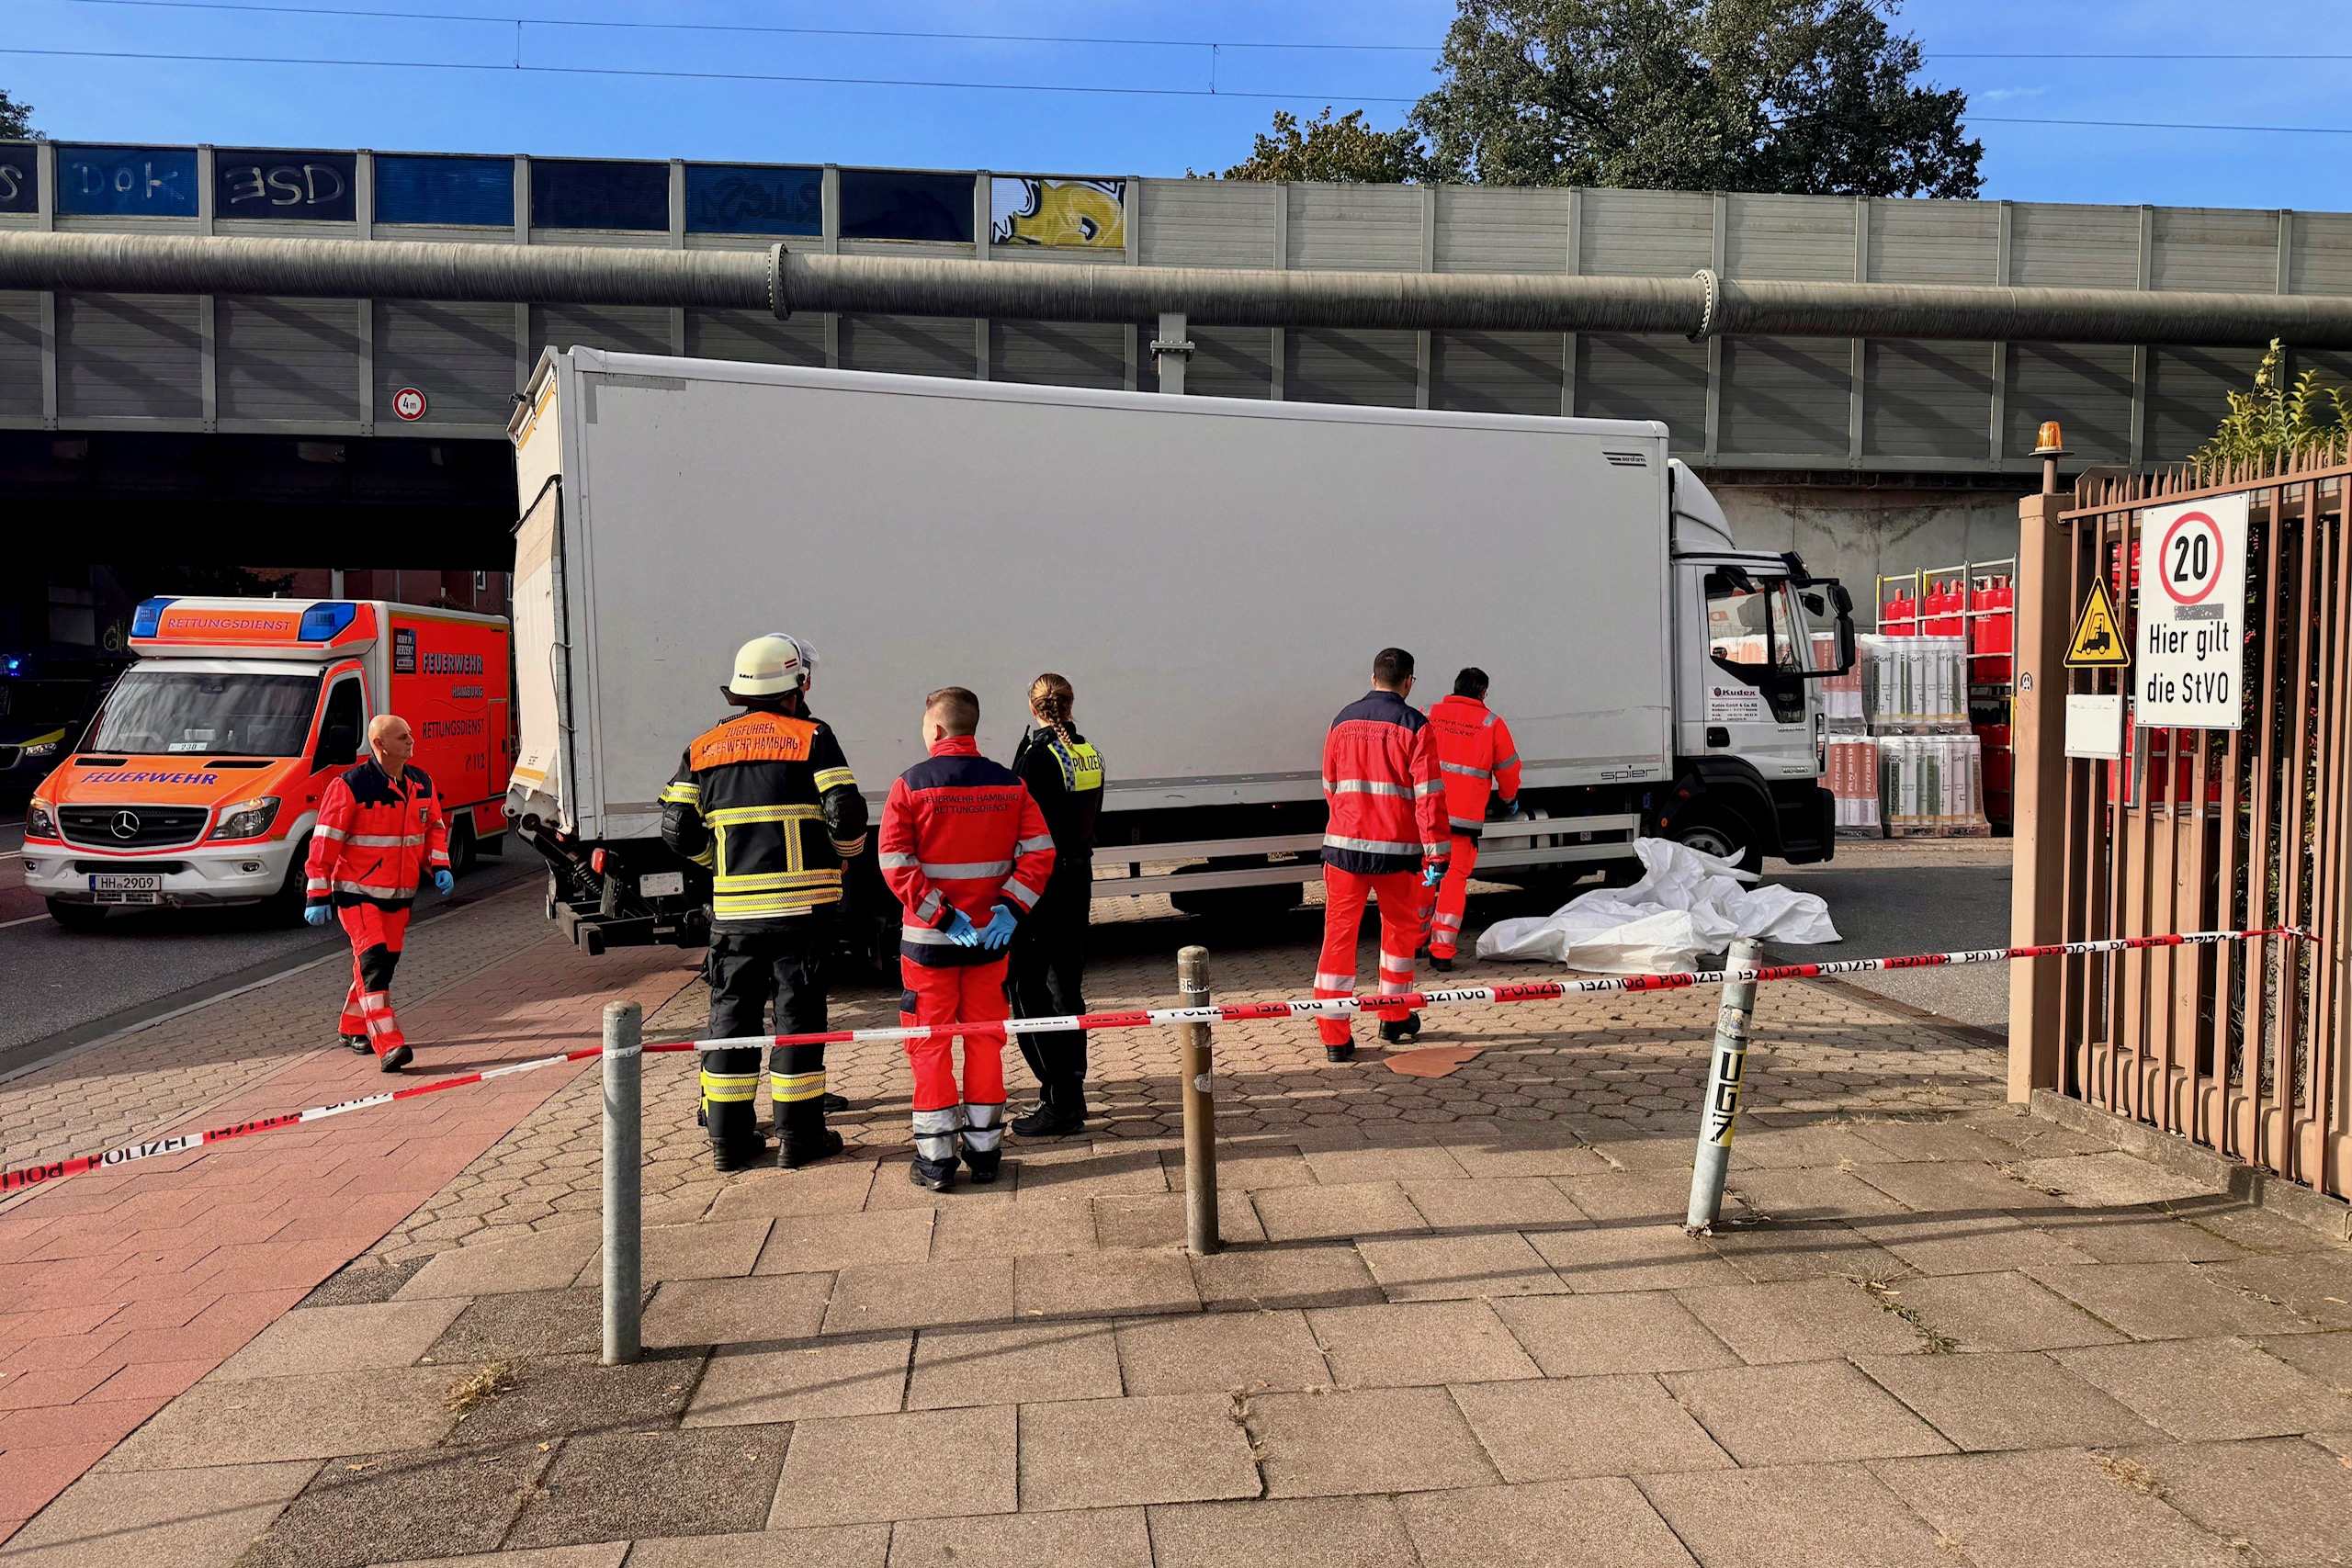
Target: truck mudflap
[1807, 817]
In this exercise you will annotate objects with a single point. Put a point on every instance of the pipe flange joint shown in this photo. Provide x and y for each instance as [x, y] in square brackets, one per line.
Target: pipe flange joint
[1712, 303]
[779, 302]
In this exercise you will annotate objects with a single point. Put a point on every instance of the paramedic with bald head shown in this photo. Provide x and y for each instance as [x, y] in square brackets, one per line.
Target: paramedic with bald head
[380, 833]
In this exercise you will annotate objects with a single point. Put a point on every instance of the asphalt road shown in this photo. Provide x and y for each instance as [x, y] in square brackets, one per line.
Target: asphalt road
[1898, 896]
[59, 987]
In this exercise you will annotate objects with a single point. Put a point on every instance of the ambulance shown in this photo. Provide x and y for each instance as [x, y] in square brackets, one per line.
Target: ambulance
[199, 782]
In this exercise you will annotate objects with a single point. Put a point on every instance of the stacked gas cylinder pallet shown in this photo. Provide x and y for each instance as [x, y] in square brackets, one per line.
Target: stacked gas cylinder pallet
[1920, 728]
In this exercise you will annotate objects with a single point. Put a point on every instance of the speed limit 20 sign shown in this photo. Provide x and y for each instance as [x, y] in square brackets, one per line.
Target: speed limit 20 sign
[2192, 615]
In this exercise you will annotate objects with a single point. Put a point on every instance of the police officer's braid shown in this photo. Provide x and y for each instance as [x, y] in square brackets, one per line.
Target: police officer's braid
[1050, 698]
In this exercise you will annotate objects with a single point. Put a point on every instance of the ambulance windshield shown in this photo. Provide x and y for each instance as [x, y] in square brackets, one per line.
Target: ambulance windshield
[156, 711]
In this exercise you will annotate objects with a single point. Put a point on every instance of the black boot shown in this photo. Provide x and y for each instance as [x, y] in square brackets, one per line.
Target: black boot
[1442, 965]
[1401, 1030]
[735, 1141]
[835, 1104]
[805, 1138]
[1340, 1052]
[938, 1174]
[353, 1042]
[396, 1058]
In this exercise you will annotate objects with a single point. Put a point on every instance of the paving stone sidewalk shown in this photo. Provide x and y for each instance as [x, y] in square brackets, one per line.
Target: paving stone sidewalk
[1456, 1323]
[123, 1287]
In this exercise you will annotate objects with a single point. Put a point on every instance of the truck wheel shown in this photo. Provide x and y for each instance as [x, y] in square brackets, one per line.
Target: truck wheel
[1723, 835]
[76, 916]
[461, 845]
[284, 907]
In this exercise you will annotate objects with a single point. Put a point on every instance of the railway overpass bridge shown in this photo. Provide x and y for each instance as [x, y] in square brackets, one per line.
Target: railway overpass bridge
[203, 429]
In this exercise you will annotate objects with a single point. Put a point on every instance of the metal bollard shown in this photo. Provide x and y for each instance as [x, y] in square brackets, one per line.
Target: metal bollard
[624, 1183]
[1719, 1114]
[1200, 1109]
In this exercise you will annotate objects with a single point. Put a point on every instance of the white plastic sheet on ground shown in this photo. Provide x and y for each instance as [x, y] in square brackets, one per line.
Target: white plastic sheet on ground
[1686, 904]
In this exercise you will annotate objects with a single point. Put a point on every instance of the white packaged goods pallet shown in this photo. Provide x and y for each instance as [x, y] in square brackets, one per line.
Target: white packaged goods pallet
[1913, 684]
[1853, 782]
[1932, 785]
[1841, 695]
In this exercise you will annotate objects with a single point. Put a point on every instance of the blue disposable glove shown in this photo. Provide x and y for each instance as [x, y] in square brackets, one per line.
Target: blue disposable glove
[1433, 874]
[960, 929]
[999, 931]
[442, 881]
[317, 914]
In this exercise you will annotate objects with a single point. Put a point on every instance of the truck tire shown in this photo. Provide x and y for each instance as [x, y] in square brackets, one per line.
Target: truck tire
[1722, 834]
[76, 916]
[461, 845]
[284, 907]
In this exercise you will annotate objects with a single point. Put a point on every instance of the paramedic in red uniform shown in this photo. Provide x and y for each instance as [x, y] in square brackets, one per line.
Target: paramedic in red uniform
[1387, 840]
[968, 855]
[1476, 758]
[380, 833]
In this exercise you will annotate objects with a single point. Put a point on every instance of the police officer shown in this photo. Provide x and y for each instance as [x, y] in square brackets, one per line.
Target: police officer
[765, 799]
[1048, 969]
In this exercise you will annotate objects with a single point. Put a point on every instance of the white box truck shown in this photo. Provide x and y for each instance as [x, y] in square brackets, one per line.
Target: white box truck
[1213, 575]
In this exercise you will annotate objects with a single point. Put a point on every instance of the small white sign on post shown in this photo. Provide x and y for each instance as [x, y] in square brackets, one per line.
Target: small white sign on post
[2191, 615]
[2095, 726]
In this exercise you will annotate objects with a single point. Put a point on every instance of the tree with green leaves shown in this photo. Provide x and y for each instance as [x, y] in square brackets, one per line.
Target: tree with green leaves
[15, 120]
[1808, 96]
[2275, 420]
[1345, 149]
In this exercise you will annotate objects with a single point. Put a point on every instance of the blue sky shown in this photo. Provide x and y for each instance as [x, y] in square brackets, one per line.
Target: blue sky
[500, 110]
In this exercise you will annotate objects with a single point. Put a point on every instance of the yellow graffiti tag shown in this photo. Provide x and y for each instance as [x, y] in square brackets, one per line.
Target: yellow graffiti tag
[1082, 213]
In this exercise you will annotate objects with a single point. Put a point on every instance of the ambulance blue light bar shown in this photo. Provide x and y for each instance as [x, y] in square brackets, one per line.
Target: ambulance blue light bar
[324, 623]
[146, 619]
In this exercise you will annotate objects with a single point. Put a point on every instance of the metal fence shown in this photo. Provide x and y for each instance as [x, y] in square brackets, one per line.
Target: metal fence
[2241, 1049]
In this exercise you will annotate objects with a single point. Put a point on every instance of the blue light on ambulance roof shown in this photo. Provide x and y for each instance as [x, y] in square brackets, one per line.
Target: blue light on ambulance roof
[145, 619]
[324, 623]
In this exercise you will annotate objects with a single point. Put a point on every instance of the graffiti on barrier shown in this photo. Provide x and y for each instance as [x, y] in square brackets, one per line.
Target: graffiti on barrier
[1081, 214]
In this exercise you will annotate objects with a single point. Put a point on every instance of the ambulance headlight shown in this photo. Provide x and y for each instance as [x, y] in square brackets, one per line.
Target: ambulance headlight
[39, 823]
[247, 818]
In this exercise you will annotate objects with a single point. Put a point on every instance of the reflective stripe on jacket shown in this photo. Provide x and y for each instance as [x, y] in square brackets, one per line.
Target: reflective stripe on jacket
[960, 832]
[766, 801]
[1475, 755]
[1380, 780]
[376, 838]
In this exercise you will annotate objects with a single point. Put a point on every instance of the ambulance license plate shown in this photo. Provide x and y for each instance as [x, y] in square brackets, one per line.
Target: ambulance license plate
[127, 887]
[660, 883]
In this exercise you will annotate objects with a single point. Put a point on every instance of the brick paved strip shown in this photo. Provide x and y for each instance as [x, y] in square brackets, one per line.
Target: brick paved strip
[128, 1285]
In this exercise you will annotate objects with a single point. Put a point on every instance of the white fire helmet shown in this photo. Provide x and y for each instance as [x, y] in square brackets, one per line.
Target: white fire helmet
[771, 665]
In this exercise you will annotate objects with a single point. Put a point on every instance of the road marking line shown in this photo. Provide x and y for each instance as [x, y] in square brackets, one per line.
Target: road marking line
[28, 919]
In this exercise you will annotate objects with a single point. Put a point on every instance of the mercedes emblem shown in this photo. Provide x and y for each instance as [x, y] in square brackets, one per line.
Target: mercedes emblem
[125, 825]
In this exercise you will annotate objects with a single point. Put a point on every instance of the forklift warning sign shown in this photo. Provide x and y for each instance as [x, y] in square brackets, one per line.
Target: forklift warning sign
[2191, 615]
[2097, 642]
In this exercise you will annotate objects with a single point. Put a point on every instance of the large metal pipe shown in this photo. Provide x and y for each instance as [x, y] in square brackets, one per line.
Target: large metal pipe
[787, 281]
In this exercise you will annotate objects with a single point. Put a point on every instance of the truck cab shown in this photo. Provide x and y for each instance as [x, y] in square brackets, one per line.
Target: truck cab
[199, 780]
[1754, 635]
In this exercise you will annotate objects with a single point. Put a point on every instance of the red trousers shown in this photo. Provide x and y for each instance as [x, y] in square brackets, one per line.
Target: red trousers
[376, 936]
[971, 993]
[1402, 915]
[1453, 896]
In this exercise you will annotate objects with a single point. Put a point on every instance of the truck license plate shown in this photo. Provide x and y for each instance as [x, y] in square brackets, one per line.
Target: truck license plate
[661, 882]
[127, 887]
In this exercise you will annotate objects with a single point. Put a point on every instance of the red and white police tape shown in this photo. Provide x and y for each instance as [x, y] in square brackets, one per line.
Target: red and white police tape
[21, 1177]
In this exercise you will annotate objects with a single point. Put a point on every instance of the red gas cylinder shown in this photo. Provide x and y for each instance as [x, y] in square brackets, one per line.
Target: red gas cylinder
[1900, 617]
[1944, 601]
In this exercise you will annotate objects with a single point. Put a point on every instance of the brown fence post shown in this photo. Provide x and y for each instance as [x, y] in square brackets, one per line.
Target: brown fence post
[2037, 910]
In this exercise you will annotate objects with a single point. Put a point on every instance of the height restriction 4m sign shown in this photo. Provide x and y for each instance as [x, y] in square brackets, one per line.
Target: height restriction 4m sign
[2192, 615]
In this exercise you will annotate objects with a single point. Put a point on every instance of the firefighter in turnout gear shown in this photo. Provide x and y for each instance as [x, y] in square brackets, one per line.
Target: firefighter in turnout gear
[968, 855]
[380, 831]
[1478, 761]
[1387, 840]
[1048, 970]
[766, 801]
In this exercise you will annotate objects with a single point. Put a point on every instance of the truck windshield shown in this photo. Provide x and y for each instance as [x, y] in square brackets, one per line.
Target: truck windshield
[181, 710]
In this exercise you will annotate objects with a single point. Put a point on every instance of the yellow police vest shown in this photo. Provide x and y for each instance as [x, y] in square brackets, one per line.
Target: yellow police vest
[1082, 764]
